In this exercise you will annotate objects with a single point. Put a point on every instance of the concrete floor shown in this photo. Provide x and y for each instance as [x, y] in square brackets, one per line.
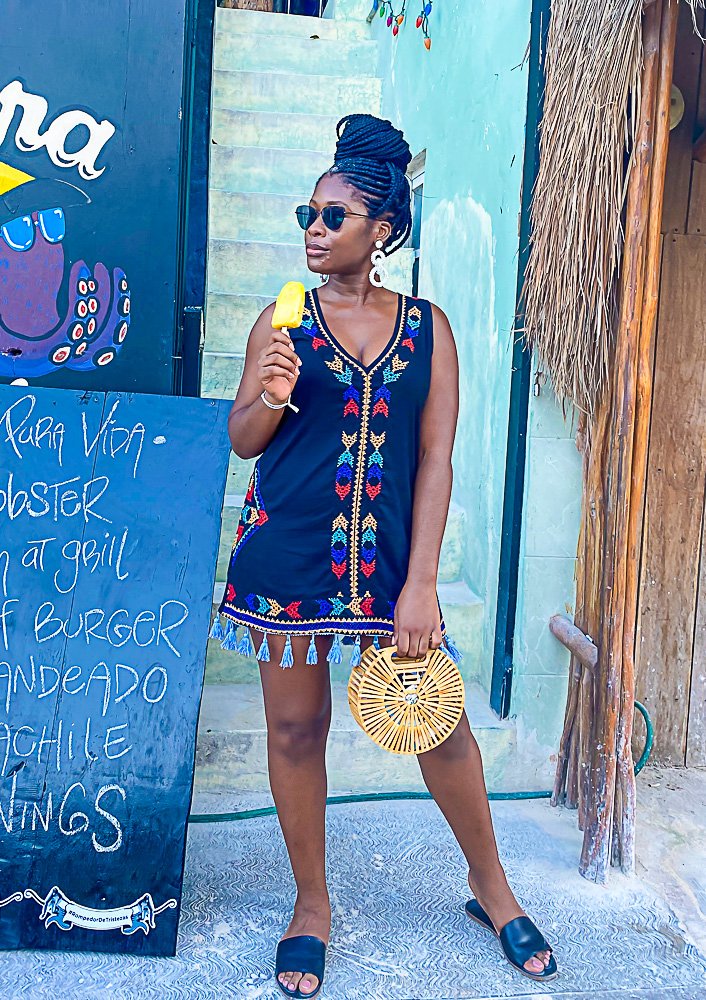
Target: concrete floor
[671, 842]
[397, 885]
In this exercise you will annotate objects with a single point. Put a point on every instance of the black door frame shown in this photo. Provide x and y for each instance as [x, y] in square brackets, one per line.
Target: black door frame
[511, 531]
[194, 171]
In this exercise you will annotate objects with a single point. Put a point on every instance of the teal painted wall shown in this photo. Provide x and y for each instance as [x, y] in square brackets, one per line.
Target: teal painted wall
[546, 585]
[465, 103]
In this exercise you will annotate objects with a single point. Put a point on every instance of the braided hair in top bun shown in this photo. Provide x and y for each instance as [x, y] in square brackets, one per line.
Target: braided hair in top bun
[372, 155]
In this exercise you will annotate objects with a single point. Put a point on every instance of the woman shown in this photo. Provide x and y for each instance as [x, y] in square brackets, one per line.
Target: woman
[354, 418]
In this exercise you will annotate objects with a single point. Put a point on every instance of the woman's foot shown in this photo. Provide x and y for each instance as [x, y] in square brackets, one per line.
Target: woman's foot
[311, 916]
[496, 898]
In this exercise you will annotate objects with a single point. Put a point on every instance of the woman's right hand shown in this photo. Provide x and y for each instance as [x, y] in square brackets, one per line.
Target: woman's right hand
[278, 367]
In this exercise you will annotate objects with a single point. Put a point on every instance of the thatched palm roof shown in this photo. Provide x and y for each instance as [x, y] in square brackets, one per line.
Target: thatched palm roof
[592, 94]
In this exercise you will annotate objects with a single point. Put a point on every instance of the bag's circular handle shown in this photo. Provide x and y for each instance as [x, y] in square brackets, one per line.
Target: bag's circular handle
[398, 658]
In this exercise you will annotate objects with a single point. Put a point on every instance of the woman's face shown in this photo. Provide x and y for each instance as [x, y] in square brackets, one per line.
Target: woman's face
[346, 250]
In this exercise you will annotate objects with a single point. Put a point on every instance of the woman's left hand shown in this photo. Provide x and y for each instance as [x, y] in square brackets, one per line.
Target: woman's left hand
[417, 620]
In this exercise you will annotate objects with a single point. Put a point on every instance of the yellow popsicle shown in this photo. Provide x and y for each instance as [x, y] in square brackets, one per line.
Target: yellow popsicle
[289, 308]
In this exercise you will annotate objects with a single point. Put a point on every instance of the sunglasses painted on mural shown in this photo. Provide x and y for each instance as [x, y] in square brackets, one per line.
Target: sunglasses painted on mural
[332, 215]
[19, 233]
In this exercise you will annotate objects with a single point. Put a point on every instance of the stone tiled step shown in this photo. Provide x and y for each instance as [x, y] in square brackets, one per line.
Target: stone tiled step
[232, 742]
[230, 318]
[295, 92]
[279, 53]
[232, 127]
[267, 171]
[258, 268]
[461, 608]
[221, 374]
[250, 22]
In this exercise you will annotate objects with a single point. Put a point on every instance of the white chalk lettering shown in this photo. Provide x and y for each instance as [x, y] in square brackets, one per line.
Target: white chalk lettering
[21, 433]
[55, 499]
[114, 440]
[97, 624]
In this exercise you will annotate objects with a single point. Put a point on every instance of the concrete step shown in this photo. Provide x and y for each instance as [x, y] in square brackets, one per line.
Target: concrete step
[229, 320]
[255, 22]
[278, 53]
[274, 129]
[295, 92]
[258, 268]
[267, 171]
[231, 749]
[462, 610]
[254, 215]
[221, 374]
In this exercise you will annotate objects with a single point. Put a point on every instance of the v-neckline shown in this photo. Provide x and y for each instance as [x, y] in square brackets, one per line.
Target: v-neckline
[359, 364]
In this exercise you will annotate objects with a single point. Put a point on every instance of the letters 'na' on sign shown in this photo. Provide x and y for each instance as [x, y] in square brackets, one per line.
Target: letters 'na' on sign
[109, 522]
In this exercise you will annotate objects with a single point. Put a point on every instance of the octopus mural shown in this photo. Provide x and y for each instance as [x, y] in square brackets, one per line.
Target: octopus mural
[51, 319]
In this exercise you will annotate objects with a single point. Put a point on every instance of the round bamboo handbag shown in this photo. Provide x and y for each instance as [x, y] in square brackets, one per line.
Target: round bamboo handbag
[406, 704]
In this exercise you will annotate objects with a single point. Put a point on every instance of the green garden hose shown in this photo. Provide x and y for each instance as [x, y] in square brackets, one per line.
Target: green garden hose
[228, 817]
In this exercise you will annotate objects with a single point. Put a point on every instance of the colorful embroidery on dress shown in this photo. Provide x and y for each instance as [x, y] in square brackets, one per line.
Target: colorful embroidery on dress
[339, 546]
[309, 326]
[373, 483]
[252, 515]
[352, 398]
[344, 471]
[367, 547]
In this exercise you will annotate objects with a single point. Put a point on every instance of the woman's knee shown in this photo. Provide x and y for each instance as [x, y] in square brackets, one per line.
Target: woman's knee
[297, 735]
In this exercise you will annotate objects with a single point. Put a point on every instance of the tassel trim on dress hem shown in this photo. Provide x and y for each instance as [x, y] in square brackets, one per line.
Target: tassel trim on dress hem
[228, 638]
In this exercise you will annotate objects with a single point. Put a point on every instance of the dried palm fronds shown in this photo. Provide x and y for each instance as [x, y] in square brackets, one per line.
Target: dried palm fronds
[591, 97]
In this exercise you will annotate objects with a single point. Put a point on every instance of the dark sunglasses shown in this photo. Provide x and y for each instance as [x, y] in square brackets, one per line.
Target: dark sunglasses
[333, 216]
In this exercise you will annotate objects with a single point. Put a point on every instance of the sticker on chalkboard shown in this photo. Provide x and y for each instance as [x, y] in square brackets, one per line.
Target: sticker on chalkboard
[58, 909]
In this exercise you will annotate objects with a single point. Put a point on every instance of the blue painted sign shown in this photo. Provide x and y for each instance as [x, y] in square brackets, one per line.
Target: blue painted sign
[91, 192]
[109, 522]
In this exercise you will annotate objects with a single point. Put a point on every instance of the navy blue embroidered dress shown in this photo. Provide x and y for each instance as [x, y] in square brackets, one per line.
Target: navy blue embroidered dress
[324, 536]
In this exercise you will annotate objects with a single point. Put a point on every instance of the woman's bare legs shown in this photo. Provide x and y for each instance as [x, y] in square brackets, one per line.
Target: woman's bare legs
[453, 773]
[298, 714]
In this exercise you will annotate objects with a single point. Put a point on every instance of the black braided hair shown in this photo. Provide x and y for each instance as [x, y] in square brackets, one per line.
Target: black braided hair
[372, 155]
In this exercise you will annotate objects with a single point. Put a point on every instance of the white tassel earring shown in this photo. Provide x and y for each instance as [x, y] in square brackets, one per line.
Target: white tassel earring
[378, 273]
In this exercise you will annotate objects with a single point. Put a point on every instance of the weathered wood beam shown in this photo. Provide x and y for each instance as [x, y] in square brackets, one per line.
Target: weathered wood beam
[598, 833]
[625, 814]
[576, 641]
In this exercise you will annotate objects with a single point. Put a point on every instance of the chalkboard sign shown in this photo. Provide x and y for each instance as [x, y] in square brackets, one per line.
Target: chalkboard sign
[109, 521]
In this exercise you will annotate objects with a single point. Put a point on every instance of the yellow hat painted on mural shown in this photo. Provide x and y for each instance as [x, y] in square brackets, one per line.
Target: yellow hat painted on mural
[21, 193]
[11, 178]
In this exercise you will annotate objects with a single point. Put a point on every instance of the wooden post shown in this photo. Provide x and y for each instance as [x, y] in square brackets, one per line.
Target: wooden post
[598, 833]
[625, 816]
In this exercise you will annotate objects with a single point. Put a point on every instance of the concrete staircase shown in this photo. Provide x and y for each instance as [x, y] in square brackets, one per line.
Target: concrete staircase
[281, 83]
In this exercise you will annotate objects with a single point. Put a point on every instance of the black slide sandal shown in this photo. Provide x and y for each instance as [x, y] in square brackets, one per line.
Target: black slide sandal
[303, 953]
[519, 940]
